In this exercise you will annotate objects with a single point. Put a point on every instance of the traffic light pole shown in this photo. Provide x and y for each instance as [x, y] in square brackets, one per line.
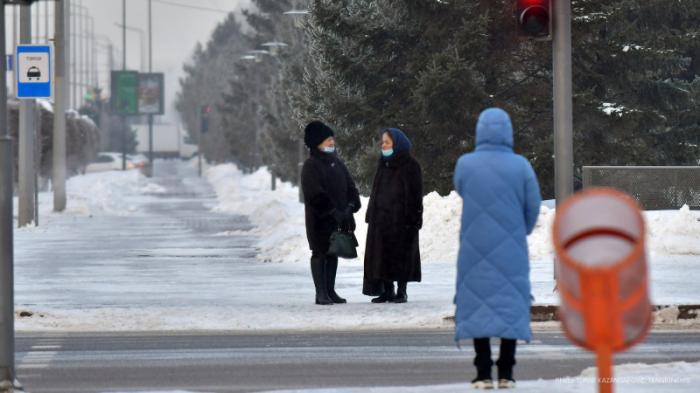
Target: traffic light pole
[563, 116]
[563, 102]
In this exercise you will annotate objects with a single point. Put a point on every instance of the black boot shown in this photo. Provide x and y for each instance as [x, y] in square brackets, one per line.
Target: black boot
[331, 270]
[401, 296]
[505, 363]
[482, 360]
[388, 294]
[318, 272]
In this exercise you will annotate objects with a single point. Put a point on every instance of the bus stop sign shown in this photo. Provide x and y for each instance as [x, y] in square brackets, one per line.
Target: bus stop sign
[33, 71]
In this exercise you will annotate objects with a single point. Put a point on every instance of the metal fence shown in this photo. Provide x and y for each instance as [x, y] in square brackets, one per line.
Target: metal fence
[655, 187]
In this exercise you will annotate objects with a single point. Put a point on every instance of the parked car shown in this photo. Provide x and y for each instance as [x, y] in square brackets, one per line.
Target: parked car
[108, 161]
[138, 161]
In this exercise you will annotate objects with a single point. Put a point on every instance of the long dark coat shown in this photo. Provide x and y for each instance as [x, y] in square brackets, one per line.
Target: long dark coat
[327, 185]
[394, 215]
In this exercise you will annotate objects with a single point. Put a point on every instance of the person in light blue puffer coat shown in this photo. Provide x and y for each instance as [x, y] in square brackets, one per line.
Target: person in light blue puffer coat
[501, 202]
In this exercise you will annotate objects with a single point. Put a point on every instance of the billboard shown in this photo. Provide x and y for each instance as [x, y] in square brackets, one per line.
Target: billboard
[151, 94]
[125, 89]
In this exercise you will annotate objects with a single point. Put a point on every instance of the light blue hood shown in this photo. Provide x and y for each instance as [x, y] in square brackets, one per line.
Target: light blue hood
[493, 129]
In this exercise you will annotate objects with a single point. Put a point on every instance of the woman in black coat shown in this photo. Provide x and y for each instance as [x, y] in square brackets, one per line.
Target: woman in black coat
[394, 215]
[330, 199]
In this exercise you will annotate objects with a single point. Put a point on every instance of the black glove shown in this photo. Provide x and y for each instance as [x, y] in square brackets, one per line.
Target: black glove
[339, 216]
[349, 224]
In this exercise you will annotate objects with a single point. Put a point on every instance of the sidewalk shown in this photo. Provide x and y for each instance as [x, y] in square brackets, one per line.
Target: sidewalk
[138, 254]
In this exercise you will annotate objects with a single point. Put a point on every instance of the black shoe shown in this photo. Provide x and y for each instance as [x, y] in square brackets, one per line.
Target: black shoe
[331, 270]
[401, 296]
[383, 298]
[506, 383]
[485, 384]
[318, 272]
[388, 294]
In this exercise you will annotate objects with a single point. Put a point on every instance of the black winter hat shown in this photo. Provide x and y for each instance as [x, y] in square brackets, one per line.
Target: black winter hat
[315, 133]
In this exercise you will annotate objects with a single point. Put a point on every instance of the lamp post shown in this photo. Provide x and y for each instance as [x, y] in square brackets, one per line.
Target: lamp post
[298, 17]
[142, 37]
[150, 69]
[7, 307]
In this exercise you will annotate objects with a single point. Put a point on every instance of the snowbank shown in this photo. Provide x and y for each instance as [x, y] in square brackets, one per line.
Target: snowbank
[280, 221]
[679, 377]
[107, 192]
[115, 193]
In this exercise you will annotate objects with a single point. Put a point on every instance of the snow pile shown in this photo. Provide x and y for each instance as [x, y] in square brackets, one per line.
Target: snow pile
[679, 377]
[674, 232]
[114, 192]
[277, 215]
[279, 219]
[106, 192]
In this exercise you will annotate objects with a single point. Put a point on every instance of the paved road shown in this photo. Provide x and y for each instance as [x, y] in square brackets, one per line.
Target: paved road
[257, 362]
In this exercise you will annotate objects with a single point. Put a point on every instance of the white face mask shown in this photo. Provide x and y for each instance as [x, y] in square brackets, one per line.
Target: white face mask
[328, 149]
[387, 152]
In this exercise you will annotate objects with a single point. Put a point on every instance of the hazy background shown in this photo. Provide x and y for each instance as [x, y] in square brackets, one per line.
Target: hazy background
[176, 30]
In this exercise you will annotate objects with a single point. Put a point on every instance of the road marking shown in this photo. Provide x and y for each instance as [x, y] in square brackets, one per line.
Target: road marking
[53, 346]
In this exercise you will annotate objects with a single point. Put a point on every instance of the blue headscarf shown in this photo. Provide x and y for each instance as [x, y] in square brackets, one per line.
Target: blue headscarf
[401, 141]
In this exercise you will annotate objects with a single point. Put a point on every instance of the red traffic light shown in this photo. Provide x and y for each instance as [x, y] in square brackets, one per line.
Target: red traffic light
[534, 18]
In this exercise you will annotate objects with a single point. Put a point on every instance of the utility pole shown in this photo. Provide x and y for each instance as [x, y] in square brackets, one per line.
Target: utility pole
[85, 52]
[27, 138]
[80, 49]
[46, 21]
[15, 30]
[123, 69]
[563, 116]
[7, 301]
[37, 22]
[150, 69]
[74, 53]
[59, 118]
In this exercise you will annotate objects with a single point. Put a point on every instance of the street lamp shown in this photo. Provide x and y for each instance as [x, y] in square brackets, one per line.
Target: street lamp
[298, 16]
[142, 35]
[274, 47]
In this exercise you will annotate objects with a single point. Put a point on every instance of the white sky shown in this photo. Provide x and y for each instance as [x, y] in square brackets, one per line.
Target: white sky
[176, 30]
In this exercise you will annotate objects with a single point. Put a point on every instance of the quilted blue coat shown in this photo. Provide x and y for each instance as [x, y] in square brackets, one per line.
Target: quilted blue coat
[500, 204]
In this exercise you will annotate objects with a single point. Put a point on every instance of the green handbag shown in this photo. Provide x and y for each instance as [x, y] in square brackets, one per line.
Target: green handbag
[343, 244]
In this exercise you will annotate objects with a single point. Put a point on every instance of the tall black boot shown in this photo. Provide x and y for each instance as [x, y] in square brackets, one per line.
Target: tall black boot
[318, 272]
[505, 363]
[331, 270]
[388, 294]
[401, 295]
[482, 360]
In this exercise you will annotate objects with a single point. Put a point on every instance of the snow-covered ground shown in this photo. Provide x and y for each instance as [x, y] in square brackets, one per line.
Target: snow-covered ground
[678, 377]
[186, 284]
[673, 241]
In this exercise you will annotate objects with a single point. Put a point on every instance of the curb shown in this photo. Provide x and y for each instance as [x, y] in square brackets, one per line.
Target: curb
[549, 313]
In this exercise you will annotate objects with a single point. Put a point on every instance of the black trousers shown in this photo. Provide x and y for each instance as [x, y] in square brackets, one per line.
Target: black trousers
[505, 362]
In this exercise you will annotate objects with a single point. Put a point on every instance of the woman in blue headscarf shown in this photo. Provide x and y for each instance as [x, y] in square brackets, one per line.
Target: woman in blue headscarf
[394, 215]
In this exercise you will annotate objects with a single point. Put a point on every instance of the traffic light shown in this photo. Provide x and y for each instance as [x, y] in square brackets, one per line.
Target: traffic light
[204, 118]
[534, 18]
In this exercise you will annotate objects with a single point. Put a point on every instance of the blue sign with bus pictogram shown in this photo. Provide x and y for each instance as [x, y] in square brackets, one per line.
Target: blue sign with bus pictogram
[34, 73]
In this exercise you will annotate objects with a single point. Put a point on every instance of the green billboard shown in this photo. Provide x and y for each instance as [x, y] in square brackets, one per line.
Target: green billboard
[125, 92]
